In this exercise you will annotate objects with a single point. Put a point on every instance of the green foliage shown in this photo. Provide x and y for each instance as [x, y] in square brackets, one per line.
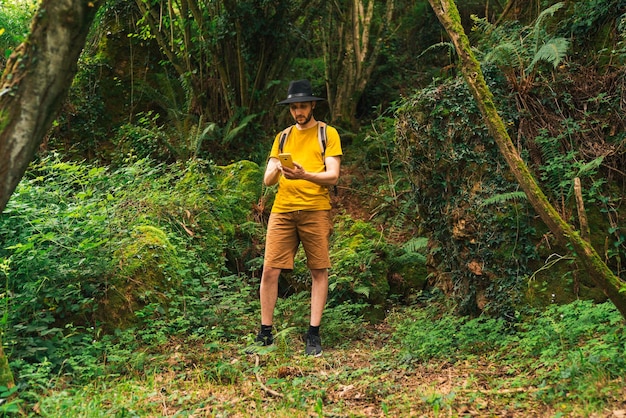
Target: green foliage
[505, 197]
[142, 139]
[225, 73]
[84, 124]
[566, 346]
[560, 169]
[14, 25]
[158, 237]
[179, 134]
[376, 152]
[427, 334]
[481, 256]
[589, 17]
[360, 263]
[518, 49]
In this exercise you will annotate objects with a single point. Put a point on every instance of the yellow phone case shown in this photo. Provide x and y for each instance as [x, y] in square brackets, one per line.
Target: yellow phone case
[285, 160]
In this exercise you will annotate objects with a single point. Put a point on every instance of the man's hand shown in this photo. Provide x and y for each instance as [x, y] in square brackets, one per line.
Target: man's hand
[324, 178]
[295, 173]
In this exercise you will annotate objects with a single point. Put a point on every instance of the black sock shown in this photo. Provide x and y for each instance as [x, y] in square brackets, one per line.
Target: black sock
[266, 329]
[314, 330]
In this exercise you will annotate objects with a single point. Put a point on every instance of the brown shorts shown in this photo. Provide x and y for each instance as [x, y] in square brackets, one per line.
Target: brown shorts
[285, 231]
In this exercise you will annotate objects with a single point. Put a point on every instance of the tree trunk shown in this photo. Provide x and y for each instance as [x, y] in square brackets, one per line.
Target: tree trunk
[351, 53]
[32, 88]
[35, 81]
[6, 377]
[604, 278]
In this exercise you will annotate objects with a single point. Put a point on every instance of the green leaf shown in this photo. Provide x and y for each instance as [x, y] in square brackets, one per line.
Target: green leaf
[553, 52]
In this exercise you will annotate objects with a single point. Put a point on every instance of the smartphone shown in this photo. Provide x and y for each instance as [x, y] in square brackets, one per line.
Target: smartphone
[285, 160]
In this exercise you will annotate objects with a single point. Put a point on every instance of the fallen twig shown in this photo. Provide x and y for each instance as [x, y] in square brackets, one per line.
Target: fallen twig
[258, 379]
[501, 391]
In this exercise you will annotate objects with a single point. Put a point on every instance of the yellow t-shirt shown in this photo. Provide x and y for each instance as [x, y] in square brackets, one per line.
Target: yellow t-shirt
[305, 150]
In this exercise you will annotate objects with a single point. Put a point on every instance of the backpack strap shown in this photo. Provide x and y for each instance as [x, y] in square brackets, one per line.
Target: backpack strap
[321, 137]
[283, 138]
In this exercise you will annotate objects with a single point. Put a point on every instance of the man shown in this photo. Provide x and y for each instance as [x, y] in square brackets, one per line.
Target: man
[301, 210]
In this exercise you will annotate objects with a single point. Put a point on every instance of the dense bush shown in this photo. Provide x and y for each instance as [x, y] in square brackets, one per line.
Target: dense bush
[480, 229]
[88, 250]
[564, 119]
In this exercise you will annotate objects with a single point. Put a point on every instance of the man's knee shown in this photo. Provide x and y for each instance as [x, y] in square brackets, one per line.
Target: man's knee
[270, 274]
[319, 274]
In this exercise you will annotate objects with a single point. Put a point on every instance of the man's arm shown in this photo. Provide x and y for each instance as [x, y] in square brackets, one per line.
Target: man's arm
[330, 177]
[272, 172]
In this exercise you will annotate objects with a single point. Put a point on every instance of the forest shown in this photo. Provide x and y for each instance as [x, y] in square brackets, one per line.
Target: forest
[479, 218]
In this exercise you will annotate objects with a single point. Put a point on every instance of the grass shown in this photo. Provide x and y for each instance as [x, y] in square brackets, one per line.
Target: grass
[372, 375]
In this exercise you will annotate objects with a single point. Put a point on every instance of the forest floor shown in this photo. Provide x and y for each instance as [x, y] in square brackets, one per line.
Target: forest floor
[363, 378]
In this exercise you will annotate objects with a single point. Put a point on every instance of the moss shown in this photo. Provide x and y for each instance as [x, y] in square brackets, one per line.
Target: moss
[4, 120]
[6, 376]
[148, 269]
[244, 178]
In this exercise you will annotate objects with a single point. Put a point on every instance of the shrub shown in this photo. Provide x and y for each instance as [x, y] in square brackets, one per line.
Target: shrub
[147, 245]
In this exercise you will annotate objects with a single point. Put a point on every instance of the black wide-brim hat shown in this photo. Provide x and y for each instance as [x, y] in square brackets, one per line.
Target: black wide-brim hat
[300, 91]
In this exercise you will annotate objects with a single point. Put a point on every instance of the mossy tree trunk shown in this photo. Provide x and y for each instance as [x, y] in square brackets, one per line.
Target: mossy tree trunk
[35, 81]
[6, 377]
[605, 279]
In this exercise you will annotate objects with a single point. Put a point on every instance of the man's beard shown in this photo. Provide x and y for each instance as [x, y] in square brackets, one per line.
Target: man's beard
[306, 120]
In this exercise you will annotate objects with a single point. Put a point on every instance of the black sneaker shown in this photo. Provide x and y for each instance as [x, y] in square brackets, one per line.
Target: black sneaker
[261, 340]
[313, 345]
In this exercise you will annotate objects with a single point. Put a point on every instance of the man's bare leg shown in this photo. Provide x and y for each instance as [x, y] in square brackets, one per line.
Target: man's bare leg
[319, 293]
[269, 294]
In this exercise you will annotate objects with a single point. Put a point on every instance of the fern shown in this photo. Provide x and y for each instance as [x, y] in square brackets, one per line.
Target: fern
[414, 245]
[506, 55]
[508, 49]
[445, 45]
[231, 130]
[589, 169]
[538, 28]
[553, 52]
[412, 252]
[557, 167]
[505, 197]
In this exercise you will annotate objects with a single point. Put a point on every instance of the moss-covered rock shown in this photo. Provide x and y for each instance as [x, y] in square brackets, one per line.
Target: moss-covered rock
[148, 270]
[244, 178]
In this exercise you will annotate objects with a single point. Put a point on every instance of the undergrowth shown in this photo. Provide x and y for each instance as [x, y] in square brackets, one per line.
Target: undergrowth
[566, 361]
[574, 353]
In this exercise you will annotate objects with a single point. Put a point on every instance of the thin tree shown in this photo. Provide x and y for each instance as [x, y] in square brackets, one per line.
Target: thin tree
[605, 279]
[352, 39]
[232, 53]
[35, 81]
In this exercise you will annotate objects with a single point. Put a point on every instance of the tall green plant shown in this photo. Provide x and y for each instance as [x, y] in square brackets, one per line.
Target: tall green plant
[519, 50]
